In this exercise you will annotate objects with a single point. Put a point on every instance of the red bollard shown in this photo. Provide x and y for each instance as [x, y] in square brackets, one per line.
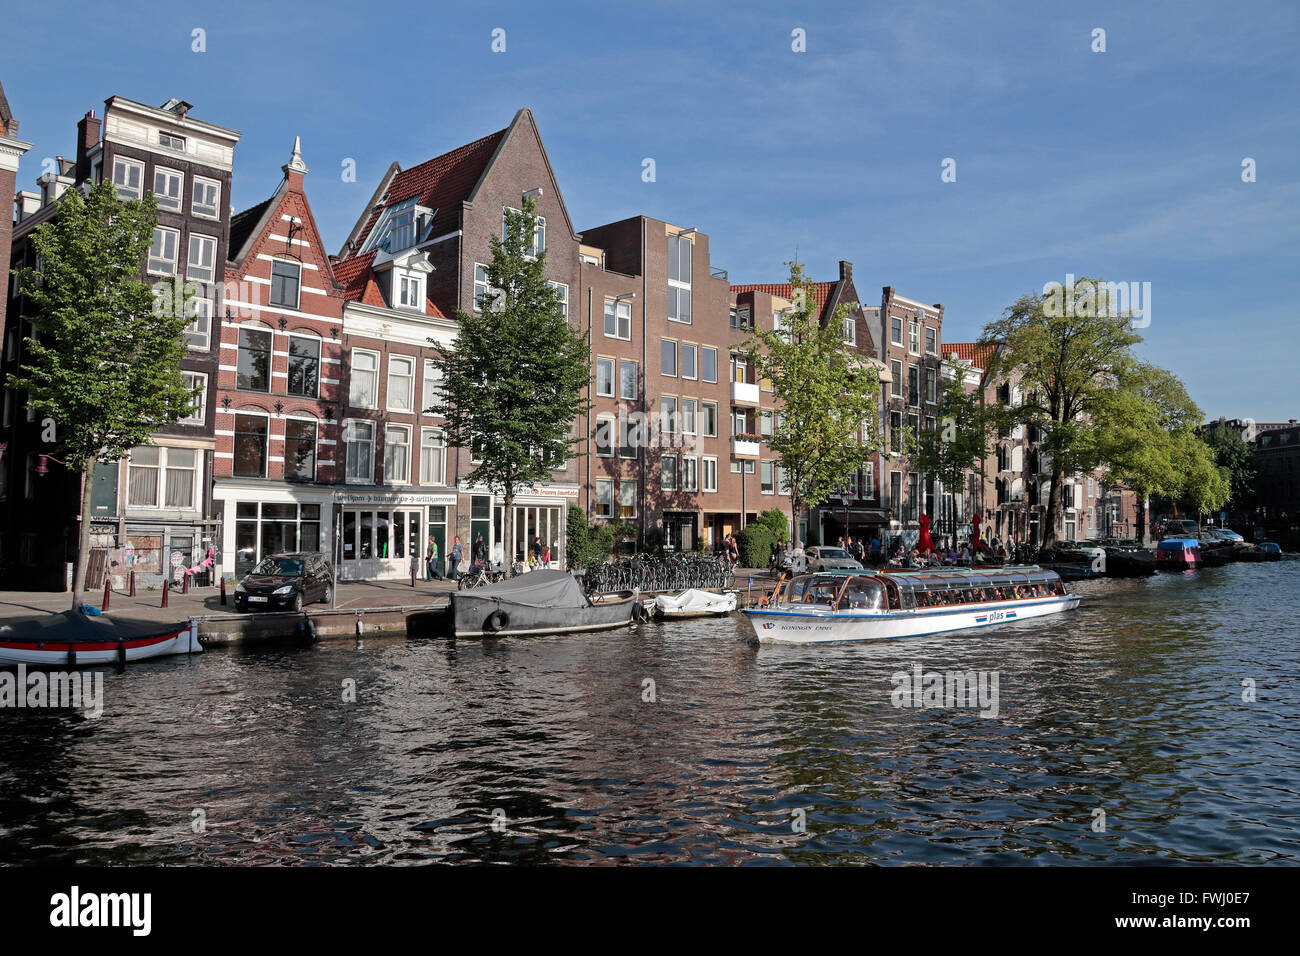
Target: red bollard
[106, 592]
[185, 584]
[412, 577]
[132, 584]
[166, 587]
[223, 590]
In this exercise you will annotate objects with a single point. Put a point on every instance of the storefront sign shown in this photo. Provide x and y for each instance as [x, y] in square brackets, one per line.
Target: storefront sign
[363, 499]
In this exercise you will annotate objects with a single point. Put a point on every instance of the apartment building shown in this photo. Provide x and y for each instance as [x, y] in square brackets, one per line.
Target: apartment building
[279, 385]
[156, 502]
[418, 253]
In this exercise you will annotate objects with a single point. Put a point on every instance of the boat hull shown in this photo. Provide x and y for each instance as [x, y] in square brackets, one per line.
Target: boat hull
[788, 626]
[472, 616]
[91, 653]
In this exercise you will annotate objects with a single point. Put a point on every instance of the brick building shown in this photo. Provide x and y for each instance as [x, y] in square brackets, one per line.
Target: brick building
[1277, 484]
[279, 382]
[156, 502]
[418, 252]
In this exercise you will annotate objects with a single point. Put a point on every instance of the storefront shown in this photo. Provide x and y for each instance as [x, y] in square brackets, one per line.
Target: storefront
[260, 520]
[541, 513]
[382, 536]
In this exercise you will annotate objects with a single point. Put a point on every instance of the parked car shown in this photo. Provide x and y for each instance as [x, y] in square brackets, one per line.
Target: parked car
[285, 582]
[1227, 534]
[1180, 528]
[822, 558]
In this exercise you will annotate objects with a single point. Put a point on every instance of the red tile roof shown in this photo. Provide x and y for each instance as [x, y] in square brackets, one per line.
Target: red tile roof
[821, 292]
[973, 352]
[359, 284]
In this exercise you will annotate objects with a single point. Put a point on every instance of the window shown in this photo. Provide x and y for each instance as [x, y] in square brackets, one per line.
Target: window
[198, 334]
[128, 178]
[679, 279]
[688, 361]
[668, 472]
[285, 280]
[668, 415]
[765, 419]
[142, 476]
[483, 290]
[709, 424]
[562, 293]
[629, 436]
[162, 254]
[690, 418]
[605, 437]
[869, 480]
[913, 385]
[896, 330]
[410, 291]
[627, 380]
[931, 386]
[432, 392]
[913, 338]
[304, 366]
[605, 377]
[397, 454]
[299, 449]
[708, 364]
[709, 473]
[618, 319]
[167, 185]
[932, 341]
[766, 478]
[359, 439]
[401, 382]
[742, 317]
[690, 473]
[202, 261]
[895, 431]
[668, 357]
[250, 446]
[433, 457]
[896, 379]
[196, 382]
[627, 499]
[363, 381]
[604, 498]
[171, 141]
[539, 231]
[850, 330]
[896, 492]
[913, 496]
[254, 370]
[205, 198]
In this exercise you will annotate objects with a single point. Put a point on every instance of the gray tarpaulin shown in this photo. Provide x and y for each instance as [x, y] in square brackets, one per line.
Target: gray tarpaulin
[546, 588]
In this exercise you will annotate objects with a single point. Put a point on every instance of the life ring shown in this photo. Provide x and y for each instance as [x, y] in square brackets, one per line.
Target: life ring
[497, 621]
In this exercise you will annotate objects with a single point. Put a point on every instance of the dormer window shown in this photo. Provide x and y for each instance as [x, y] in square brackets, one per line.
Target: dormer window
[401, 226]
[170, 141]
[410, 290]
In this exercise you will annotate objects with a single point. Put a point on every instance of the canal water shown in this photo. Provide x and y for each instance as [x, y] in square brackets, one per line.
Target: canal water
[1121, 736]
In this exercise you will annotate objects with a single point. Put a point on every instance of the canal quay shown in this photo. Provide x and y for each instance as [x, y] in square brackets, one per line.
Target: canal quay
[1154, 724]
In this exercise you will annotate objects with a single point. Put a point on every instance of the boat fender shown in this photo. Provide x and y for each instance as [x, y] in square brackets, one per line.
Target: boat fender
[121, 652]
[361, 627]
[496, 621]
[310, 627]
[72, 656]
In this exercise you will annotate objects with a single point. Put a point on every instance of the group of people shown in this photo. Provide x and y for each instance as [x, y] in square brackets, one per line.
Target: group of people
[1014, 592]
[539, 556]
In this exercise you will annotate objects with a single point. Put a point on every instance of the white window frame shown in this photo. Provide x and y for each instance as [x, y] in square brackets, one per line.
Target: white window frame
[440, 444]
[931, 333]
[389, 477]
[608, 426]
[429, 386]
[201, 327]
[850, 330]
[679, 288]
[410, 383]
[612, 364]
[676, 361]
[695, 360]
[409, 294]
[704, 418]
[690, 473]
[266, 457]
[484, 286]
[896, 379]
[320, 361]
[563, 290]
[539, 231]
[636, 379]
[350, 427]
[153, 261]
[770, 466]
[901, 331]
[663, 460]
[200, 242]
[166, 200]
[615, 309]
[199, 207]
[610, 485]
[198, 413]
[709, 348]
[171, 141]
[913, 337]
[352, 379]
[125, 191]
[709, 467]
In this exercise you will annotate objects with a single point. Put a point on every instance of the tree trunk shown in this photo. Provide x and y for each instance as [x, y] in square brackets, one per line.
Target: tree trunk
[1053, 508]
[81, 561]
[508, 519]
[1142, 519]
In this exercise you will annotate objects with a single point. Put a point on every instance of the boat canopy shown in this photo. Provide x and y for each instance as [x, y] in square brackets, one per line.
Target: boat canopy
[545, 588]
[1177, 544]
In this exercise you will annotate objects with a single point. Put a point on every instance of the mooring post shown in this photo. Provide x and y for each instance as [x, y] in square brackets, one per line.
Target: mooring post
[132, 594]
[166, 587]
[223, 590]
[106, 592]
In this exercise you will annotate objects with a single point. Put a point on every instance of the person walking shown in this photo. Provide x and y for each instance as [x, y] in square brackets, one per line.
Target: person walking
[546, 557]
[453, 563]
[431, 560]
[535, 552]
[479, 552]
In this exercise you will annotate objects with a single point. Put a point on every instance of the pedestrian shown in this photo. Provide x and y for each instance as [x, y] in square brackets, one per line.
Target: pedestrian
[546, 557]
[479, 552]
[535, 552]
[431, 560]
[453, 563]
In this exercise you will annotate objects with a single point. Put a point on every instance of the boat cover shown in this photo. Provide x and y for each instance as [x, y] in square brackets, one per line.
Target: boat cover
[1177, 544]
[695, 601]
[73, 627]
[544, 588]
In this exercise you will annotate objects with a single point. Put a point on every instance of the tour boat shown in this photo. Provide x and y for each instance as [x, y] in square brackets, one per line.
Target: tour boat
[73, 639]
[830, 606]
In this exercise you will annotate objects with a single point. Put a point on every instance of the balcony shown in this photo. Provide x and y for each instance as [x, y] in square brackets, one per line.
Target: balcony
[744, 446]
[744, 393]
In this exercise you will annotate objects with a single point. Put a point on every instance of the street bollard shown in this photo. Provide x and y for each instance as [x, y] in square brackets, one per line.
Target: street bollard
[166, 587]
[185, 584]
[106, 592]
[132, 593]
[223, 590]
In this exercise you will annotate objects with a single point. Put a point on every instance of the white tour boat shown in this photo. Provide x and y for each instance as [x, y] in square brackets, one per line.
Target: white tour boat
[868, 606]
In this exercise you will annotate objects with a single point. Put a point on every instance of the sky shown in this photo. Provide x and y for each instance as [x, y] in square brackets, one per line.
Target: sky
[1125, 163]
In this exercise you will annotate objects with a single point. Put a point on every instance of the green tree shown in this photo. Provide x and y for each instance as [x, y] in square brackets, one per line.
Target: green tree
[826, 429]
[958, 442]
[1205, 486]
[1237, 457]
[1067, 359]
[104, 364]
[514, 382]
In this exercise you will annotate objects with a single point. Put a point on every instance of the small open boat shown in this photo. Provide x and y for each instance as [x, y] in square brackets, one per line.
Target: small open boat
[73, 639]
[540, 602]
[838, 606]
[694, 603]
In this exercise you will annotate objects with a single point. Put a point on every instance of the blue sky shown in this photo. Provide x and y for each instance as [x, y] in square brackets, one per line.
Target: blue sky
[1124, 164]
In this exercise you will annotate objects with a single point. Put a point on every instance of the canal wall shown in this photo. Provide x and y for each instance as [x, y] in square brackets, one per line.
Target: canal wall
[419, 620]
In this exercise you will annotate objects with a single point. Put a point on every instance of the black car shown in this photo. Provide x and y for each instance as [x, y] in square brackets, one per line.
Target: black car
[285, 582]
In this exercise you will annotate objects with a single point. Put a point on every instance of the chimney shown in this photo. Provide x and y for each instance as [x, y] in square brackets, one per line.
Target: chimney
[87, 139]
[846, 271]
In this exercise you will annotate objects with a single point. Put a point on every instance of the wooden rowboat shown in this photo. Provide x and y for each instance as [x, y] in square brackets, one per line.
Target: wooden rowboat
[73, 639]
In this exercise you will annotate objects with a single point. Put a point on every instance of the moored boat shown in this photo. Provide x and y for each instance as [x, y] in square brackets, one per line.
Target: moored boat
[1178, 554]
[693, 603]
[540, 602]
[74, 639]
[846, 606]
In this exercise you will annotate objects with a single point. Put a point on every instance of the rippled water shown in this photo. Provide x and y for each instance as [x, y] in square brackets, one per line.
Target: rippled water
[1131, 705]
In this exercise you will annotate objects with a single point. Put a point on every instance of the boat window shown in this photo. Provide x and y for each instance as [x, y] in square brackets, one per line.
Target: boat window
[863, 593]
[795, 589]
[821, 592]
[891, 590]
